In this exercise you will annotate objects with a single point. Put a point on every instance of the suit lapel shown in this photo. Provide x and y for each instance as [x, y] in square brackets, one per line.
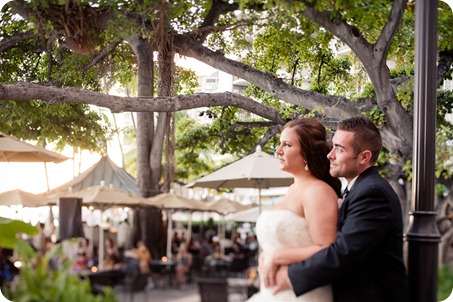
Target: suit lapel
[343, 212]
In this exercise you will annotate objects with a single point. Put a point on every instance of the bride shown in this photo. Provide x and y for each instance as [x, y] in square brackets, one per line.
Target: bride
[305, 220]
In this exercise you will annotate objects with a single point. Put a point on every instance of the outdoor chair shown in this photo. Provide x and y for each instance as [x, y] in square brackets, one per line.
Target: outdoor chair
[134, 281]
[196, 269]
[109, 278]
[213, 289]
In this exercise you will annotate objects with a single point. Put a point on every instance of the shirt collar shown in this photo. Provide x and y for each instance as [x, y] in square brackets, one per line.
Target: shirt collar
[350, 184]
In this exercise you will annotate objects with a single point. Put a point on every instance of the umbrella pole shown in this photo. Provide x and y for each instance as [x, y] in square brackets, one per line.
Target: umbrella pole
[169, 231]
[101, 245]
[189, 227]
[259, 200]
[47, 176]
[223, 227]
[49, 223]
[91, 246]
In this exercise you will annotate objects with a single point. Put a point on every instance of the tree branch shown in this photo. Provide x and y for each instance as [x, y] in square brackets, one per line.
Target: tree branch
[444, 65]
[350, 35]
[218, 8]
[271, 132]
[13, 40]
[338, 107]
[53, 96]
[390, 29]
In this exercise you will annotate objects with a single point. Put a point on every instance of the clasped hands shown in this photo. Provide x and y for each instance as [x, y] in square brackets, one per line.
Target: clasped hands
[273, 275]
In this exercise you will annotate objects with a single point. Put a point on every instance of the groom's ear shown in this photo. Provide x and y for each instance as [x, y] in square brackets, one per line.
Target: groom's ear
[365, 156]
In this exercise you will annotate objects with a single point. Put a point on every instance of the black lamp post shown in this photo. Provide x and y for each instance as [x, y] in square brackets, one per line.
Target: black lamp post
[423, 236]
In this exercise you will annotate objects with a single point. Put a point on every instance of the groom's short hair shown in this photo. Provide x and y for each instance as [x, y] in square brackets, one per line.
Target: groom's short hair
[366, 135]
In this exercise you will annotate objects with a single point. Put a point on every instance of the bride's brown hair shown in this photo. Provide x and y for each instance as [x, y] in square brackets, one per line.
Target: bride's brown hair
[314, 148]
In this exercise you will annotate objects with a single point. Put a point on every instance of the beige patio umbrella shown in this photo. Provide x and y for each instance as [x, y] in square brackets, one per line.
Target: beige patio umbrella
[14, 150]
[249, 215]
[103, 197]
[171, 202]
[23, 198]
[258, 170]
[226, 206]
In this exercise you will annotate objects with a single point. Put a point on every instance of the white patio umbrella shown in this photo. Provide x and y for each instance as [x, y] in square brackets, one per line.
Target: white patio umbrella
[171, 202]
[259, 170]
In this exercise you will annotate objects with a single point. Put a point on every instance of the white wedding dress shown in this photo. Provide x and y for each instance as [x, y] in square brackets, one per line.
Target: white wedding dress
[277, 229]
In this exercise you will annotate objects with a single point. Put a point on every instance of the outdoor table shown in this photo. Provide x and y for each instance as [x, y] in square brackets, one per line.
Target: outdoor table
[164, 268]
[240, 285]
[217, 267]
[104, 278]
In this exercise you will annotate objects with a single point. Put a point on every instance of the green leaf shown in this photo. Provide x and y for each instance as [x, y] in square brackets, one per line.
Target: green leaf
[9, 230]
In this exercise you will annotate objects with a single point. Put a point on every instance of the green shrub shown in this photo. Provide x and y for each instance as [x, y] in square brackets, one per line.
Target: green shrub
[38, 279]
[445, 283]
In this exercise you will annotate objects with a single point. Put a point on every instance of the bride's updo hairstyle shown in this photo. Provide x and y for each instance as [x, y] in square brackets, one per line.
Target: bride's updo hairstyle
[314, 148]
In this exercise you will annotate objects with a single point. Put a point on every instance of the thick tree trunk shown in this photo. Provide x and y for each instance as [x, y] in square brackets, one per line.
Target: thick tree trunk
[165, 86]
[147, 222]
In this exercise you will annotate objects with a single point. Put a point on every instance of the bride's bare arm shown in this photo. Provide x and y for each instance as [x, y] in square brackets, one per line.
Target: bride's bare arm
[289, 256]
[321, 214]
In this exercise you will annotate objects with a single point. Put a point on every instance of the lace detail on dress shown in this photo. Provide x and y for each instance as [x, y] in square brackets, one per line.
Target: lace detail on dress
[281, 228]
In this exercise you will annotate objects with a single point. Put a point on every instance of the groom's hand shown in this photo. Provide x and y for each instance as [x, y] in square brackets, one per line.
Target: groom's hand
[282, 280]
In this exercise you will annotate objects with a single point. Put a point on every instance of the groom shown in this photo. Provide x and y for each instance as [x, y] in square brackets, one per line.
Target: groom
[365, 262]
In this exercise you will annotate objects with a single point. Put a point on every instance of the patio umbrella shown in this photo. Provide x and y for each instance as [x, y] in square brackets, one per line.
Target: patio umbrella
[23, 198]
[101, 197]
[248, 215]
[14, 150]
[258, 170]
[172, 202]
[226, 206]
[18, 197]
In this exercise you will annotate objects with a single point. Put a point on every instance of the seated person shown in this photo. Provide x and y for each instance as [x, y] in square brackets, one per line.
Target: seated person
[239, 258]
[141, 252]
[7, 269]
[183, 264]
[81, 263]
[112, 258]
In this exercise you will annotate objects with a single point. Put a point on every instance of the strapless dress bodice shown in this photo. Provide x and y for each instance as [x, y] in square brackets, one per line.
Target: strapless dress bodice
[281, 228]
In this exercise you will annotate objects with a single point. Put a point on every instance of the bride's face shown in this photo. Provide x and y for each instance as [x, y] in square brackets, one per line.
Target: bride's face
[289, 152]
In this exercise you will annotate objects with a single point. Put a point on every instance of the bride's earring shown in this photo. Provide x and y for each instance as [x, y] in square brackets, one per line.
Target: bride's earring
[306, 167]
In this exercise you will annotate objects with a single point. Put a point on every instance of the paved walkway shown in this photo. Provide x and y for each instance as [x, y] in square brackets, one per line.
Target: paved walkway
[188, 293]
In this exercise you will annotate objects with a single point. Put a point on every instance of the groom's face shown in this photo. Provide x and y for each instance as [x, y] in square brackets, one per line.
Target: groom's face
[344, 162]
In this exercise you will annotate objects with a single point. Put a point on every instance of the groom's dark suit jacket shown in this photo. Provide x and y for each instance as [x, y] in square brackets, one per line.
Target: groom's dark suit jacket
[365, 262]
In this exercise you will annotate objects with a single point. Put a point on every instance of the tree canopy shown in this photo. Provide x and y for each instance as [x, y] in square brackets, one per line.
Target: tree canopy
[327, 59]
